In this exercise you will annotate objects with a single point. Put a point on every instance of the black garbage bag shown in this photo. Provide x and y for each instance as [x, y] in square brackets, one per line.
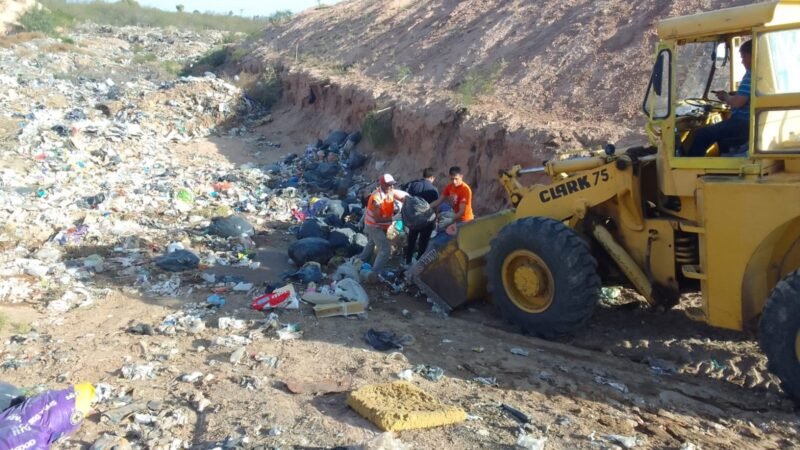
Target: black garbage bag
[334, 208]
[310, 249]
[178, 261]
[327, 171]
[342, 238]
[386, 340]
[356, 160]
[343, 184]
[417, 213]
[334, 221]
[230, 227]
[359, 242]
[310, 272]
[313, 227]
[355, 138]
[271, 168]
[335, 139]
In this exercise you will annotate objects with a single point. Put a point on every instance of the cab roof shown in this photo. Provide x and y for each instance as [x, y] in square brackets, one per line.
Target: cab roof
[739, 19]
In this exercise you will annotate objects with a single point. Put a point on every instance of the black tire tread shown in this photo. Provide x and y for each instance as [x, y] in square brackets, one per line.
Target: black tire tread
[779, 324]
[573, 305]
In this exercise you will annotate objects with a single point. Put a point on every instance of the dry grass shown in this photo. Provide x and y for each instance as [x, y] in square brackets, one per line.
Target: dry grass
[60, 47]
[16, 39]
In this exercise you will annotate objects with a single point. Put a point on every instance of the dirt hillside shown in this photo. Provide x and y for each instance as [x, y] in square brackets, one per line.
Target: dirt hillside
[11, 10]
[555, 75]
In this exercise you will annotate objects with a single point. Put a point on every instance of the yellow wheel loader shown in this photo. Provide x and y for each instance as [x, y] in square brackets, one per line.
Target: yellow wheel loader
[725, 222]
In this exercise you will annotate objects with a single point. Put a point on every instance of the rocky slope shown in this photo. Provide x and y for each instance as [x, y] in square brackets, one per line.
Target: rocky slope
[557, 76]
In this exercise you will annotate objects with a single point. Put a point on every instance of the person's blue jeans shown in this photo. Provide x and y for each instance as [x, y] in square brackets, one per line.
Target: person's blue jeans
[727, 134]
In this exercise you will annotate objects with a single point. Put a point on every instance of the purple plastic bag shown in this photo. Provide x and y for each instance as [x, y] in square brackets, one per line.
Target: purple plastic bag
[39, 421]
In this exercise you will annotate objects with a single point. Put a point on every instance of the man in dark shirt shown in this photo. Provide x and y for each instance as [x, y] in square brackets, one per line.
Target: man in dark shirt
[424, 189]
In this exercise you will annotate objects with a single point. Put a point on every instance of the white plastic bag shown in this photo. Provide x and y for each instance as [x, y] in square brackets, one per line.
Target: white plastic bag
[352, 290]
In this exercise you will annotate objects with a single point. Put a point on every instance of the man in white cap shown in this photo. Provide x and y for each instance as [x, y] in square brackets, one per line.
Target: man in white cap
[378, 219]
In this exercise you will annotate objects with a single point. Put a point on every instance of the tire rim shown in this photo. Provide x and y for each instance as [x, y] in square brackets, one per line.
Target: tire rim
[527, 281]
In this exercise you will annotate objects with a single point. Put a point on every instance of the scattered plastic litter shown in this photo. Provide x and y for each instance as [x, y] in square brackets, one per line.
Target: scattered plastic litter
[311, 272]
[178, 261]
[228, 323]
[528, 442]
[486, 381]
[624, 441]
[519, 352]
[243, 287]
[515, 413]
[191, 377]
[215, 300]
[385, 441]
[407, 374]
[289, 332]
[237, 355]
[233, 226]
[138, 372]
[283, 298]
[432, 373]
[614, 384]
[386, 340]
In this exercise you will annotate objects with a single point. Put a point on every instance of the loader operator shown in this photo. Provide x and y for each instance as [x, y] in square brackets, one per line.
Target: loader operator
[458, 194]
[735, 131]
[378, 219]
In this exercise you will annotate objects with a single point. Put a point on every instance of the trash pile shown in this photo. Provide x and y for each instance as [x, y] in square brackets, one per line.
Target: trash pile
[92, 191]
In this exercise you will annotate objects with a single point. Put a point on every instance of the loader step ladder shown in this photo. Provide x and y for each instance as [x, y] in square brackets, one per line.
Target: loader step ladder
[693, 271]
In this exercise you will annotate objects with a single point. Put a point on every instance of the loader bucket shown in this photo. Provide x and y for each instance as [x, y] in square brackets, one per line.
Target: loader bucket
[453, 274]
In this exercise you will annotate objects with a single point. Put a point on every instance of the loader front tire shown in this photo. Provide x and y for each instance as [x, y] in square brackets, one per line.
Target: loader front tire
[542, 276]
[779, 333]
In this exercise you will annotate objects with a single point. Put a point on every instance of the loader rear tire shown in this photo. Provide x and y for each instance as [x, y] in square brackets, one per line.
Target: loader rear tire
[565, 286]
[779, 333]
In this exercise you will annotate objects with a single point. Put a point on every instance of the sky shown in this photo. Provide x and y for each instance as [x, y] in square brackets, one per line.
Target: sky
[244, 7]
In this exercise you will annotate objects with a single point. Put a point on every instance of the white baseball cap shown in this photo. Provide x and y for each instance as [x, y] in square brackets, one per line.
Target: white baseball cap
[387, 179]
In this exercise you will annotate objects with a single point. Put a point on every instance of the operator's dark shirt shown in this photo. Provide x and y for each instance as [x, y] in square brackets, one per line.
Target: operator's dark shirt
[422, 188]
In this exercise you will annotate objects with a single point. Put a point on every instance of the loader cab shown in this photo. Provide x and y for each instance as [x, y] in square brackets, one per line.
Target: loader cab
[698, 55]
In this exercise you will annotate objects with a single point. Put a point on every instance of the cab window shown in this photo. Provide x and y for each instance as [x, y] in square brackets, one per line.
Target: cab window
[777, 73]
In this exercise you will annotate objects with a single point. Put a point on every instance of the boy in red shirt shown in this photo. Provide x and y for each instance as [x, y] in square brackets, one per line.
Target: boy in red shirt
[458, 194]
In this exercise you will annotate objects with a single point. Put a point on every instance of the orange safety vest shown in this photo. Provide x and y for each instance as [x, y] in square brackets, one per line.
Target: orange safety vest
[383, 210]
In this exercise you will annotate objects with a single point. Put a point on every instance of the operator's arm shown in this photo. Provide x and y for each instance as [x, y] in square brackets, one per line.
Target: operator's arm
[735, 100]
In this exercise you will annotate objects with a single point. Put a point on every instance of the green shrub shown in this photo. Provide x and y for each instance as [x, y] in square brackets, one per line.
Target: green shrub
[280, 16]
[44, 21]
[238, 54]
[141, 58]
[213, 58]
[172, 68]
[402, 73]
[266, 89]
[477, 83]
[230, 38]
[377, 127]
